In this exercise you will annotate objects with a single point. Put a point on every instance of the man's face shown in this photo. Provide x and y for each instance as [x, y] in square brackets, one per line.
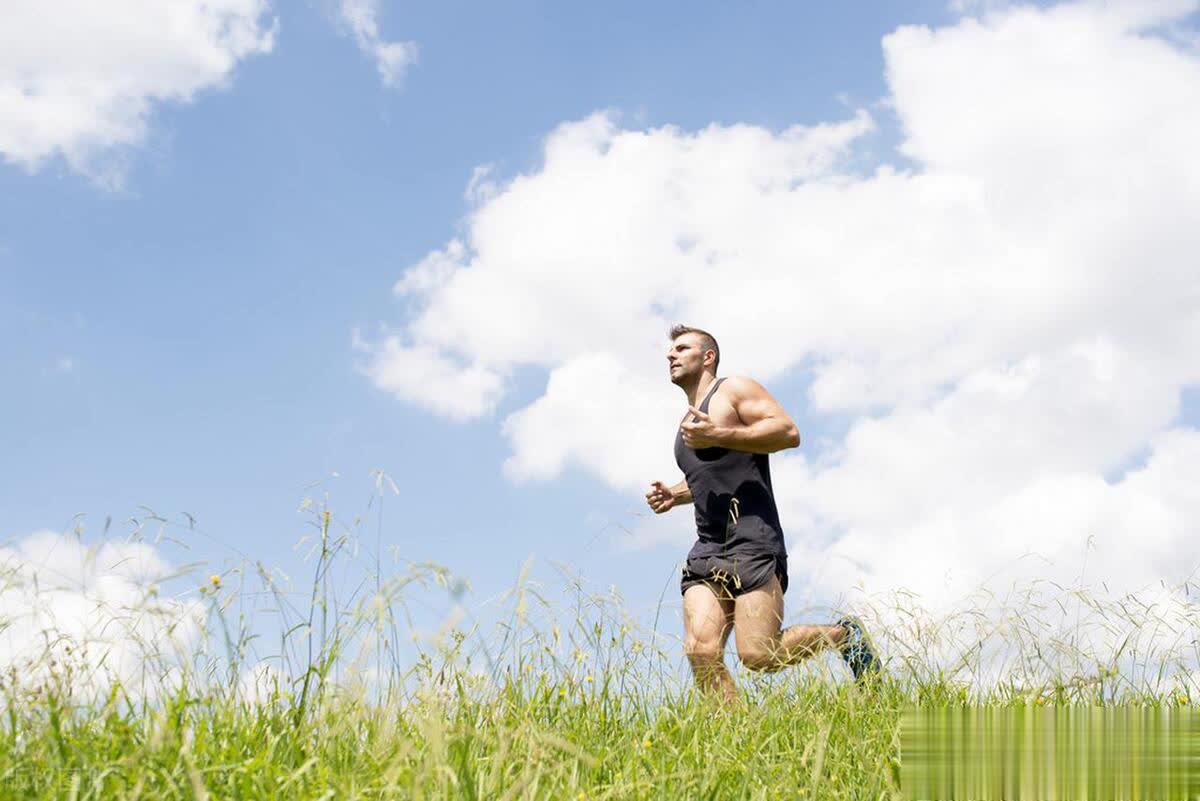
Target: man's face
[685, 359]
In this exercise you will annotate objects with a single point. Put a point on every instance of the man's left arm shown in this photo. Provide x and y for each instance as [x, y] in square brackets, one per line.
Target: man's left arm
[765, 427]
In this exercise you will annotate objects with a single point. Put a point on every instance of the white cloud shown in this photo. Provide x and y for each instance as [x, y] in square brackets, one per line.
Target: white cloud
[80, 79]
[425, 376]
[392, 59]
[572, 421]
[86, 616]
[1010, 322]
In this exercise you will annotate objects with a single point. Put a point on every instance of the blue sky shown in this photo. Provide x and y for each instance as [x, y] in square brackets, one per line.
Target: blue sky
[185, 341]
[207, 308]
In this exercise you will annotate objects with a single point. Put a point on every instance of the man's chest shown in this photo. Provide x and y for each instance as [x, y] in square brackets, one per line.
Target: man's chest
[721, 411]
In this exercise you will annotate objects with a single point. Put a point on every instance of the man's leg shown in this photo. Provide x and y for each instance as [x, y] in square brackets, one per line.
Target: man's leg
[758, 615]
[707, 620]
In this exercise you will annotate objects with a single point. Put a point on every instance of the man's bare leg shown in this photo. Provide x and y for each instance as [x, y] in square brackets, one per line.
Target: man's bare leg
[758, 616]
[707, 620]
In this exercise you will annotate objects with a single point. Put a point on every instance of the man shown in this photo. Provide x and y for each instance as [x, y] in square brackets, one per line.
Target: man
[736, 573]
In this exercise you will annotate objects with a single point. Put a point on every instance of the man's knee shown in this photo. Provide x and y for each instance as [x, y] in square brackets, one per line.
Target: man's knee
[701, 651]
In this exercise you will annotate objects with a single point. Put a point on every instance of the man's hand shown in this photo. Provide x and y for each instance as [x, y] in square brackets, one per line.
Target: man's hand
[703, 433]
[660, 497]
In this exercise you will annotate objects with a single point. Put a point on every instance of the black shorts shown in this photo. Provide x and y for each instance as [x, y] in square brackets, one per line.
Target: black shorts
[730, 576]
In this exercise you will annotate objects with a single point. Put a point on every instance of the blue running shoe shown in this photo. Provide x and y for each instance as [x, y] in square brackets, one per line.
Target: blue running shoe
[856, 649]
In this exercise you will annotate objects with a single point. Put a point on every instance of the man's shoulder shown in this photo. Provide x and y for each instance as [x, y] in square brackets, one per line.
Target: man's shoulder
[740, 386]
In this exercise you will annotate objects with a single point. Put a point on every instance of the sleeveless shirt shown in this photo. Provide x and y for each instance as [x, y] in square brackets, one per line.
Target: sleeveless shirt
[731, 489]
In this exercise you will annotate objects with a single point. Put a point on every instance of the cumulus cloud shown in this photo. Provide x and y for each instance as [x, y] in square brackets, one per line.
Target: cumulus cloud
[571, 403]
[86, 616]
[1007, 319]
[392, 59]
[80, 79]
[425, 376]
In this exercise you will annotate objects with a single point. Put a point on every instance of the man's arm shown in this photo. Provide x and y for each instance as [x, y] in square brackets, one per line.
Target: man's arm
[663, 498]
[765, 428]
[681, 493]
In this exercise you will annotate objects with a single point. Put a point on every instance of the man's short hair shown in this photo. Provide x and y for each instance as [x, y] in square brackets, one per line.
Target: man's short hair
[707, 341]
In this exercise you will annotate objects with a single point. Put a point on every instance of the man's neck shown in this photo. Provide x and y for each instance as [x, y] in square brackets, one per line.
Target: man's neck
[695, 393]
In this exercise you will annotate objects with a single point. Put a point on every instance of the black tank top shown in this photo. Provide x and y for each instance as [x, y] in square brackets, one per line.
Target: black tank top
[735, 505]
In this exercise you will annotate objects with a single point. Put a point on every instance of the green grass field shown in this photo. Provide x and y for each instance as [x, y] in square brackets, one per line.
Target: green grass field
[533, 739]
[563, 699]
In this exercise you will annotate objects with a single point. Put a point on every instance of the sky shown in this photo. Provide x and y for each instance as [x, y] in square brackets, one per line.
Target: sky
[251, 252]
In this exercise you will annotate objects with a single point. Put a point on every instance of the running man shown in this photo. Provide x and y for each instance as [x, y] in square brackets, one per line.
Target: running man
[736, 573]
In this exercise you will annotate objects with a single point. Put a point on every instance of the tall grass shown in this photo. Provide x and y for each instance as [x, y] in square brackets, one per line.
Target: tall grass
[565, 695]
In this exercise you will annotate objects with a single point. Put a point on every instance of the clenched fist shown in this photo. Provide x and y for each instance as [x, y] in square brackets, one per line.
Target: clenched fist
[659, 497]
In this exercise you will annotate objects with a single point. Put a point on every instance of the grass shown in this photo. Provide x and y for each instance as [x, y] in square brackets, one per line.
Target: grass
[561, 700]
[525, 740]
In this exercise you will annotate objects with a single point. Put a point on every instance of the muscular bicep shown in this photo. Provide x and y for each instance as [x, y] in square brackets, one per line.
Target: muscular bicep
[753, 403]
